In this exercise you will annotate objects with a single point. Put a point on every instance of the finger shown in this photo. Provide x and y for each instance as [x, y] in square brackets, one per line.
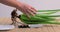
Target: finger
[33, 11]
[25, 12]
[30, 8]
[30, 13]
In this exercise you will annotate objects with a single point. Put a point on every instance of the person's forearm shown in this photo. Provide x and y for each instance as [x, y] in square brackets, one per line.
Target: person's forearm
[13, 3]
[25, 8]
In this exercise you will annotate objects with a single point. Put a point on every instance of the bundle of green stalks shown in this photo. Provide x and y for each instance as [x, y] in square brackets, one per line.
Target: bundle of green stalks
[45, 18]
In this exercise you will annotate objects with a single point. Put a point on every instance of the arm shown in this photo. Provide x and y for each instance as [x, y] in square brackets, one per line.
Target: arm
[13, 3]
[26, 9]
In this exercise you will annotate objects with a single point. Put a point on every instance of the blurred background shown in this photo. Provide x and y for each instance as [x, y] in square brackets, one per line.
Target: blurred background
[38, 4]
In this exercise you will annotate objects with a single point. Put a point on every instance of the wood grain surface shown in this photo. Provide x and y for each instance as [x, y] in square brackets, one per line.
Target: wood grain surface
[45, 28]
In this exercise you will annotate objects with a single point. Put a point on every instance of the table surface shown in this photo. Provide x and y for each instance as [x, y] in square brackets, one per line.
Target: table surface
[45, 28]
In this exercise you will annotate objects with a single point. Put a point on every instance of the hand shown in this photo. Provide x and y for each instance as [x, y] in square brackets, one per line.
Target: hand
[27, 10]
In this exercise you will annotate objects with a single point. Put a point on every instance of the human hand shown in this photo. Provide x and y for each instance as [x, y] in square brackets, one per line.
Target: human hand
[27, 10]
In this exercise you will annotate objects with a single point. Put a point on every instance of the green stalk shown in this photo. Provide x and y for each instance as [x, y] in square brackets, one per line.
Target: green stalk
[46, 18]
[48, 10]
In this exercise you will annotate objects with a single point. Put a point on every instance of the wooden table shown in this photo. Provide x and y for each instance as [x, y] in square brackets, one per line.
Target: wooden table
[45, 28]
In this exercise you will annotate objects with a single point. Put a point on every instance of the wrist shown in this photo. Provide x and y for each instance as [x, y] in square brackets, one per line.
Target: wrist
[19, 5]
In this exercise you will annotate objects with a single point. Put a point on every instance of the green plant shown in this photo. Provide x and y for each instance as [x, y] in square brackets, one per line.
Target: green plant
[45, 18]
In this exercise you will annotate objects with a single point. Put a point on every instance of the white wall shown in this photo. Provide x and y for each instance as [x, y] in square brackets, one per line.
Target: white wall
[43, 4]
[38, 4]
